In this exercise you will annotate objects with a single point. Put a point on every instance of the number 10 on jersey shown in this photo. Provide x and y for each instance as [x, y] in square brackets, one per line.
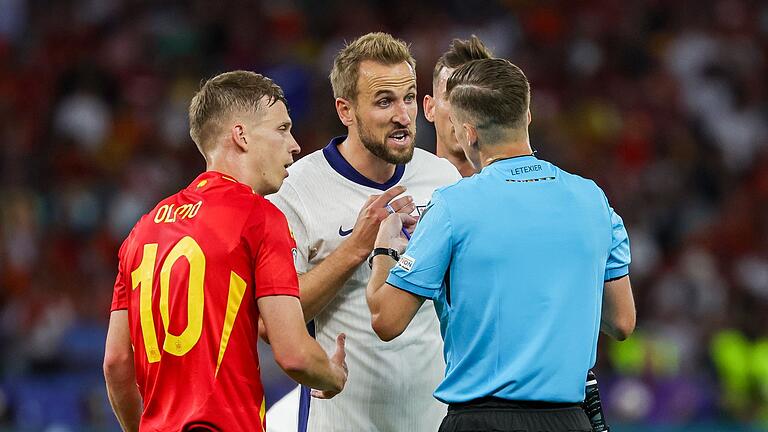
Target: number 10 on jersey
[143, 277]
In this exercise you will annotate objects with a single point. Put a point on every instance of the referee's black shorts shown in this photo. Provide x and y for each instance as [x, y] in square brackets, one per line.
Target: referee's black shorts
[499, 415]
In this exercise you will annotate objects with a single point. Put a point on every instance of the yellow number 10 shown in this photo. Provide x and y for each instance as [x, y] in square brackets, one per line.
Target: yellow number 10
[143, 276]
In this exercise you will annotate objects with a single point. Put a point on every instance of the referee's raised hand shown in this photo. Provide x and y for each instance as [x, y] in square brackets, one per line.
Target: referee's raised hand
[374, 211]
[391, 231]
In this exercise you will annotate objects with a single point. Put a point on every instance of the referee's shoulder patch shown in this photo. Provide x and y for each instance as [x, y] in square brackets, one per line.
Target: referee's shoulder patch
[406, 263]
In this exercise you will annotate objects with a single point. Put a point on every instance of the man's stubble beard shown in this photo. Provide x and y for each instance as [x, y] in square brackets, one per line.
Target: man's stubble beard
[379, 147]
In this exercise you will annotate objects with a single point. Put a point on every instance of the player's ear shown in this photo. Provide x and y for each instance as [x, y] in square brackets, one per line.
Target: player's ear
[429, 108]
[529, 116]
[345, 110]
[237, 134]
[472, 151]
[471, 132]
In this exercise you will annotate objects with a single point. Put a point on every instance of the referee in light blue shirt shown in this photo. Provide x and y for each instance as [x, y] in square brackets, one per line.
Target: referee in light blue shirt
[525, 264]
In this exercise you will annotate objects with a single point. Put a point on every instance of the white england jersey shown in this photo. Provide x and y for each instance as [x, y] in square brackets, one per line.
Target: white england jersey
[390, 384]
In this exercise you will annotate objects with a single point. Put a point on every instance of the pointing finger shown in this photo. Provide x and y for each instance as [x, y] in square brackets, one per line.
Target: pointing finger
[387, 196]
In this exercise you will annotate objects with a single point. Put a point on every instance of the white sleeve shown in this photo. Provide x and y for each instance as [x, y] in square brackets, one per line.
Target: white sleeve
[290, 203]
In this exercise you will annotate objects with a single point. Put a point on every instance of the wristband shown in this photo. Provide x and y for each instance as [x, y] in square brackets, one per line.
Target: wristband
[383, 251]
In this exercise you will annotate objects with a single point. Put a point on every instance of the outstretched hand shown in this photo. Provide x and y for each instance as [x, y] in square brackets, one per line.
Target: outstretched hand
[338, 360]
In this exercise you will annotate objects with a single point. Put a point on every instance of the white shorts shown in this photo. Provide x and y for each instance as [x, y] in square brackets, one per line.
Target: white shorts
[283, 416]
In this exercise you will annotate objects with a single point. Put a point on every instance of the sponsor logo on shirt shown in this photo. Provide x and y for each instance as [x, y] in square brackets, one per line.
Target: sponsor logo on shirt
[343, 232]
[406, 263]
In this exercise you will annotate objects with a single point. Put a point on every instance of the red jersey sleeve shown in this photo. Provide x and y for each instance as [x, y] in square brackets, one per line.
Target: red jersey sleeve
[275, 272]
[119, 293]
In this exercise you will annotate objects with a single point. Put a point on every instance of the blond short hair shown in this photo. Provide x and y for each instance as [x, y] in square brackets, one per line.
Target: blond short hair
[225, 94]
[460, 52]
[379, 47]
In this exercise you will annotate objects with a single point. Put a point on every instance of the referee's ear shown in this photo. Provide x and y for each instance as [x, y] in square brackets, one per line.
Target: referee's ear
[471, 132]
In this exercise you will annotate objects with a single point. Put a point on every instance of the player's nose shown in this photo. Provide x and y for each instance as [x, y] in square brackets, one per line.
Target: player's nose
[293, 146]
[402, 115]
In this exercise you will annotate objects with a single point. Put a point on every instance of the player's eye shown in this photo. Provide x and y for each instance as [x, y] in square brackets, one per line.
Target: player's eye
[410, 97]
[383, 102]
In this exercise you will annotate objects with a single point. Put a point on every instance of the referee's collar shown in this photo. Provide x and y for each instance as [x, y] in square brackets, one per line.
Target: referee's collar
[346, 170]
[513, 159]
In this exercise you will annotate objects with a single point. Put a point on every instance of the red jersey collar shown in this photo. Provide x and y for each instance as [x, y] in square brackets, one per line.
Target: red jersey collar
[210, 177]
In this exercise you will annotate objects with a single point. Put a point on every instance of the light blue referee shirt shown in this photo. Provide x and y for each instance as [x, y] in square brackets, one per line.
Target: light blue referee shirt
[515, 258]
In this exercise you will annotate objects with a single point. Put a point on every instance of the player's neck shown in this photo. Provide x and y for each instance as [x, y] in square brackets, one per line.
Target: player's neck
[234, 170]
[492, 153]
[365, 162]
[459, 160]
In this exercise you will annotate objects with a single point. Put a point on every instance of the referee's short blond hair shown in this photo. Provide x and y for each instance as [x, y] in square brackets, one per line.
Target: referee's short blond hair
[379, 47]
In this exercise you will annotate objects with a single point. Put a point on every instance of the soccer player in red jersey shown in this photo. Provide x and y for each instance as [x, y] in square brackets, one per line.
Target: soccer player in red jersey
[198, 271]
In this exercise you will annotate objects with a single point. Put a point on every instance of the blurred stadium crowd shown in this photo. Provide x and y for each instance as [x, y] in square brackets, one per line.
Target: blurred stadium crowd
[664, 103]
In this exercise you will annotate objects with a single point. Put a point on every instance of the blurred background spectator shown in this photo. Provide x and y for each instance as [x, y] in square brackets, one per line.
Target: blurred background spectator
[664, 103]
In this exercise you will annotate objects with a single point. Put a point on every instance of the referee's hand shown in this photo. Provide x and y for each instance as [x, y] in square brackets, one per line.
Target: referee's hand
[391, 231]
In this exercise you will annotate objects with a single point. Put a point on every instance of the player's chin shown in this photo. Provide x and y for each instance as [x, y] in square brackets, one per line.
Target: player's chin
[281, 174]
[275, 184]
[401, 155]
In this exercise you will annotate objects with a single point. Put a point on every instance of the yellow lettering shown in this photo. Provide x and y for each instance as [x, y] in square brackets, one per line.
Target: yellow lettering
[142, 277]
[170, 213]
[195, 209]
[161, 213]
[182, 211]
[187, 209]
[167, 213]
[189, 249]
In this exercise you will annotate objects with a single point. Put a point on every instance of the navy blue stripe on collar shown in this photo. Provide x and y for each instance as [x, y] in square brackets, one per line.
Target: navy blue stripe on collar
[341, 166]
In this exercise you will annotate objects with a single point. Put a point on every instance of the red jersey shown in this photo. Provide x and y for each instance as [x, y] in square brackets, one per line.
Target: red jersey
[189, 274]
